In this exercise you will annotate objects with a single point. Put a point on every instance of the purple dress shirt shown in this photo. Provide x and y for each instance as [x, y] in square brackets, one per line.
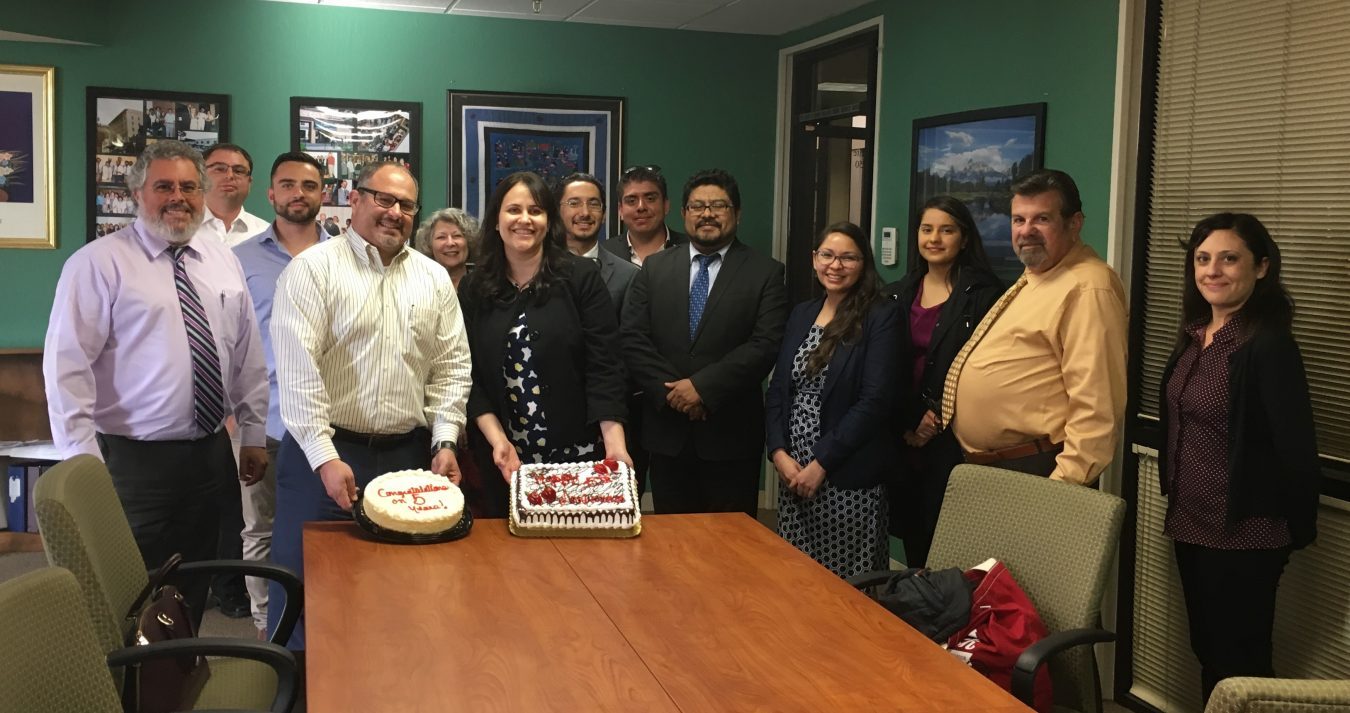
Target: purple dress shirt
[116, 357]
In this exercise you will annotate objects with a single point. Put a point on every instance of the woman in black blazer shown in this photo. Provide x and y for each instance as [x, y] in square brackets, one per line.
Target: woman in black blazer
[1238, 457]
[827, 408]
[947, 292]
[548, 384]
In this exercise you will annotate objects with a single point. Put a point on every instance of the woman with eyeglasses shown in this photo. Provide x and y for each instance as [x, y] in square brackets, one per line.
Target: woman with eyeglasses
[828, 406]
[946, 293]
[548, 385]
[1238, 458]
[449, 237]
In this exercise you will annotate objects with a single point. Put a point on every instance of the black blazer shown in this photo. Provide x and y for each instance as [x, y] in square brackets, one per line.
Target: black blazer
[618, 244]
[617, 273]
[1273, 466]
[975, 291]
[729, 357]
[575, 351]
[857, 445]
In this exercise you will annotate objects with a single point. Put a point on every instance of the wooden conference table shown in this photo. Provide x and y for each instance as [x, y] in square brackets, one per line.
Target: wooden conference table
[700, 613]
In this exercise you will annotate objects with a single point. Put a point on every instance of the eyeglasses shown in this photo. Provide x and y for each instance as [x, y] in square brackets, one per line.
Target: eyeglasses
[590, 203]
[386, 201]
[825, 257]
[166, 188]
[221, 169]
[648, 169]
[717, 207]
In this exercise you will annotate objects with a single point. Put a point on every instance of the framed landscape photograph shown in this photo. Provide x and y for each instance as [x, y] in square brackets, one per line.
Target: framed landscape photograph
[346, 135]
[975, 156]
[27, 184]
[494, 134]
[122, 122]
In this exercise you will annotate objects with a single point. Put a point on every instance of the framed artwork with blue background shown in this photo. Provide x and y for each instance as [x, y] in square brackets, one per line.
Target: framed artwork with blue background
[27, 181]
[495, 134]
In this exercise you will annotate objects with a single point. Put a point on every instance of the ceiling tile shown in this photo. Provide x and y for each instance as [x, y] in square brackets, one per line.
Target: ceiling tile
[646, 13]
[520, 9]
[436, 6]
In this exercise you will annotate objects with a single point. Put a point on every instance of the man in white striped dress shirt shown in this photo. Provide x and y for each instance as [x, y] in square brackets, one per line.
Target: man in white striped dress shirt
[372, 364]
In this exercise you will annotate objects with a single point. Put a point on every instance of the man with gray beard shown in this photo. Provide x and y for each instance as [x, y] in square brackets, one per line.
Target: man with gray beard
[151, 343]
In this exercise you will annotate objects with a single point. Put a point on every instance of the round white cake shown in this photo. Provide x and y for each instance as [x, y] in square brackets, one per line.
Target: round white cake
[417, 502]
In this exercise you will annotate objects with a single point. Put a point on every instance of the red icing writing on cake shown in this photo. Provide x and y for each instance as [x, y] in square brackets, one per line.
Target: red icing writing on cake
[429, 488]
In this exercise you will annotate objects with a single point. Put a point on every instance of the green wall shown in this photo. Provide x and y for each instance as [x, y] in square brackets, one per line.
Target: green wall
[695, 100]
[944, 57]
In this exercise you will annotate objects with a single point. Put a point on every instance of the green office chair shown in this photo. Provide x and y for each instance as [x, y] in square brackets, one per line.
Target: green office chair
[85, 530]
[1279, 695]
[52, 661]
[1058, 541]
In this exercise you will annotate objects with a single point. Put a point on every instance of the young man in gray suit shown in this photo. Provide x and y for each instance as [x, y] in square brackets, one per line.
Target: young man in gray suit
[581, 204]
[701, 329]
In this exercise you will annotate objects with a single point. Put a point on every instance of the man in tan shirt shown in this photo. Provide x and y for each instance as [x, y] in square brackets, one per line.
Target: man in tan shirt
[1044, 390]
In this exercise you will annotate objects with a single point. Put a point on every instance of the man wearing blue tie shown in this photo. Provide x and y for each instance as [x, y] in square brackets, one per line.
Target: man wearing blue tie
[152, 342]
[701, 328]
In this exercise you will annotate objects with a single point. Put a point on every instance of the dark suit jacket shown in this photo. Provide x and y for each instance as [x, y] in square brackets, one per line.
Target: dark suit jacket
[618, 245]
[857, 443]
[729, 357]
[575, 351]
[617, 272]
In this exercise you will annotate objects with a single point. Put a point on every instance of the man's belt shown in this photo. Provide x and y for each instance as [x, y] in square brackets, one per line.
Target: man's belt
[1023, 450]
[373, 440]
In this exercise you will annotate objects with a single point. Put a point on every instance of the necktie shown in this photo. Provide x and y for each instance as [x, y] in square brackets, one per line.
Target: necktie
[698, 293]
[208, 392]
[954, 373]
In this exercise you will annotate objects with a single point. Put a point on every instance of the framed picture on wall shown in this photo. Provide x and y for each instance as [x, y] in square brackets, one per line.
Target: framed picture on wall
[27, 184]
[121, 123]
[975, 156]
[493, 135]
[346, 135]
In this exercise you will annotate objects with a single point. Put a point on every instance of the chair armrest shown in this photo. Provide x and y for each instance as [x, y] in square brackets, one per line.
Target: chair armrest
[1034, 656]
[279, 658]
[285, 576]
[1237, 694]
[871, 579]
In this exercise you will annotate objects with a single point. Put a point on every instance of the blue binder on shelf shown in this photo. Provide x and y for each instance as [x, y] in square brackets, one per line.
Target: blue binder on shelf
[20, 506]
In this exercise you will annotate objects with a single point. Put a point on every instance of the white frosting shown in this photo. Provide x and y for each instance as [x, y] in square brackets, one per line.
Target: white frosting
[417, 502]
[574, 496]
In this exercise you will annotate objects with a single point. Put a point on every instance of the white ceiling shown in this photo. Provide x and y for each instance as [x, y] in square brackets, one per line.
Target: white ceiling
[755, 17]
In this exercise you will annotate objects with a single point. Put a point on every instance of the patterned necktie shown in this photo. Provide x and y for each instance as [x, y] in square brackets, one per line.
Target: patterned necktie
[698, 293]
[208, 392]
[954, 373]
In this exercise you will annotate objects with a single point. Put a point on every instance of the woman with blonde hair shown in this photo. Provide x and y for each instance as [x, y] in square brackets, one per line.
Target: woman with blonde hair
[449, 236]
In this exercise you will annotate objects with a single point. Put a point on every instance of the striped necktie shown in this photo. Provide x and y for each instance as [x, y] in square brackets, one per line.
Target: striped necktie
[698, 292]
[954, 372]
[208, 392]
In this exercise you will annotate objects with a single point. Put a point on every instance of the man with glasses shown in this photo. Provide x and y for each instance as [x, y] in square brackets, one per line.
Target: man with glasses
[229, 171]
[372, 364]
[701, 330]
[642, 209]
[581, 205]
[152, 343]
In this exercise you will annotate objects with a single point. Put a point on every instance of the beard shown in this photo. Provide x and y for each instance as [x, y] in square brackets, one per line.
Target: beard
[296, 212]
[162, 228]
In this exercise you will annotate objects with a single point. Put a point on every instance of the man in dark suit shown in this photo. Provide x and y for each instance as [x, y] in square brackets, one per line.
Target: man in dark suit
[701, 329]
[581, 205]
[643, 206]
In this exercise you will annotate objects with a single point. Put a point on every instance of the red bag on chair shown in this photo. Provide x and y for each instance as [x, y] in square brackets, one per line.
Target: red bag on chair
[1003, 623]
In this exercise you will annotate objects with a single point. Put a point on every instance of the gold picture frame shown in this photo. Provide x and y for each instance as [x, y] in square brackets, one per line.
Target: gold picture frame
[27, 157]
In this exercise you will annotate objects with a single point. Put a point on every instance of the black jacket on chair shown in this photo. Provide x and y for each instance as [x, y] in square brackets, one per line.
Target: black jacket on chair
[736, 344]
[574, 337]
[857, 444]
[973, 294]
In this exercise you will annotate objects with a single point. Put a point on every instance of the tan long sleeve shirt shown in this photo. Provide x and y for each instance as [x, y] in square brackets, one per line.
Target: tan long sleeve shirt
[1052, 365]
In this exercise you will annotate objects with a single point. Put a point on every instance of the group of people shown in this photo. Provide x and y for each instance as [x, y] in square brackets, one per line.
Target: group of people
[114, 201]
[112, 169]
[335, 360]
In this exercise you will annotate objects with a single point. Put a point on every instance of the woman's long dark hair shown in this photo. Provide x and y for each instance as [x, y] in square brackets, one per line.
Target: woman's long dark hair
[972, 250]
[846, 327]
[1269, 307]
[493, 279]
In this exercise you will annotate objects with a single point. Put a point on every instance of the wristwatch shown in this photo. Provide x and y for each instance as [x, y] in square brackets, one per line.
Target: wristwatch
[442, 444]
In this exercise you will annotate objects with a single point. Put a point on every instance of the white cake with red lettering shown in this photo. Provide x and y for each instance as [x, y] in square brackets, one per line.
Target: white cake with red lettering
[595, 499]
[416, 502]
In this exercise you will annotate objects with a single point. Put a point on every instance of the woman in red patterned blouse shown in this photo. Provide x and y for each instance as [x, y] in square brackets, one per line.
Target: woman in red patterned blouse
[1239, 457]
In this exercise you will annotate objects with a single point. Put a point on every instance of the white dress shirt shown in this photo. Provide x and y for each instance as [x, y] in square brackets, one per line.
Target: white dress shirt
[366, 347]
[116, 359]
[245, 226]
